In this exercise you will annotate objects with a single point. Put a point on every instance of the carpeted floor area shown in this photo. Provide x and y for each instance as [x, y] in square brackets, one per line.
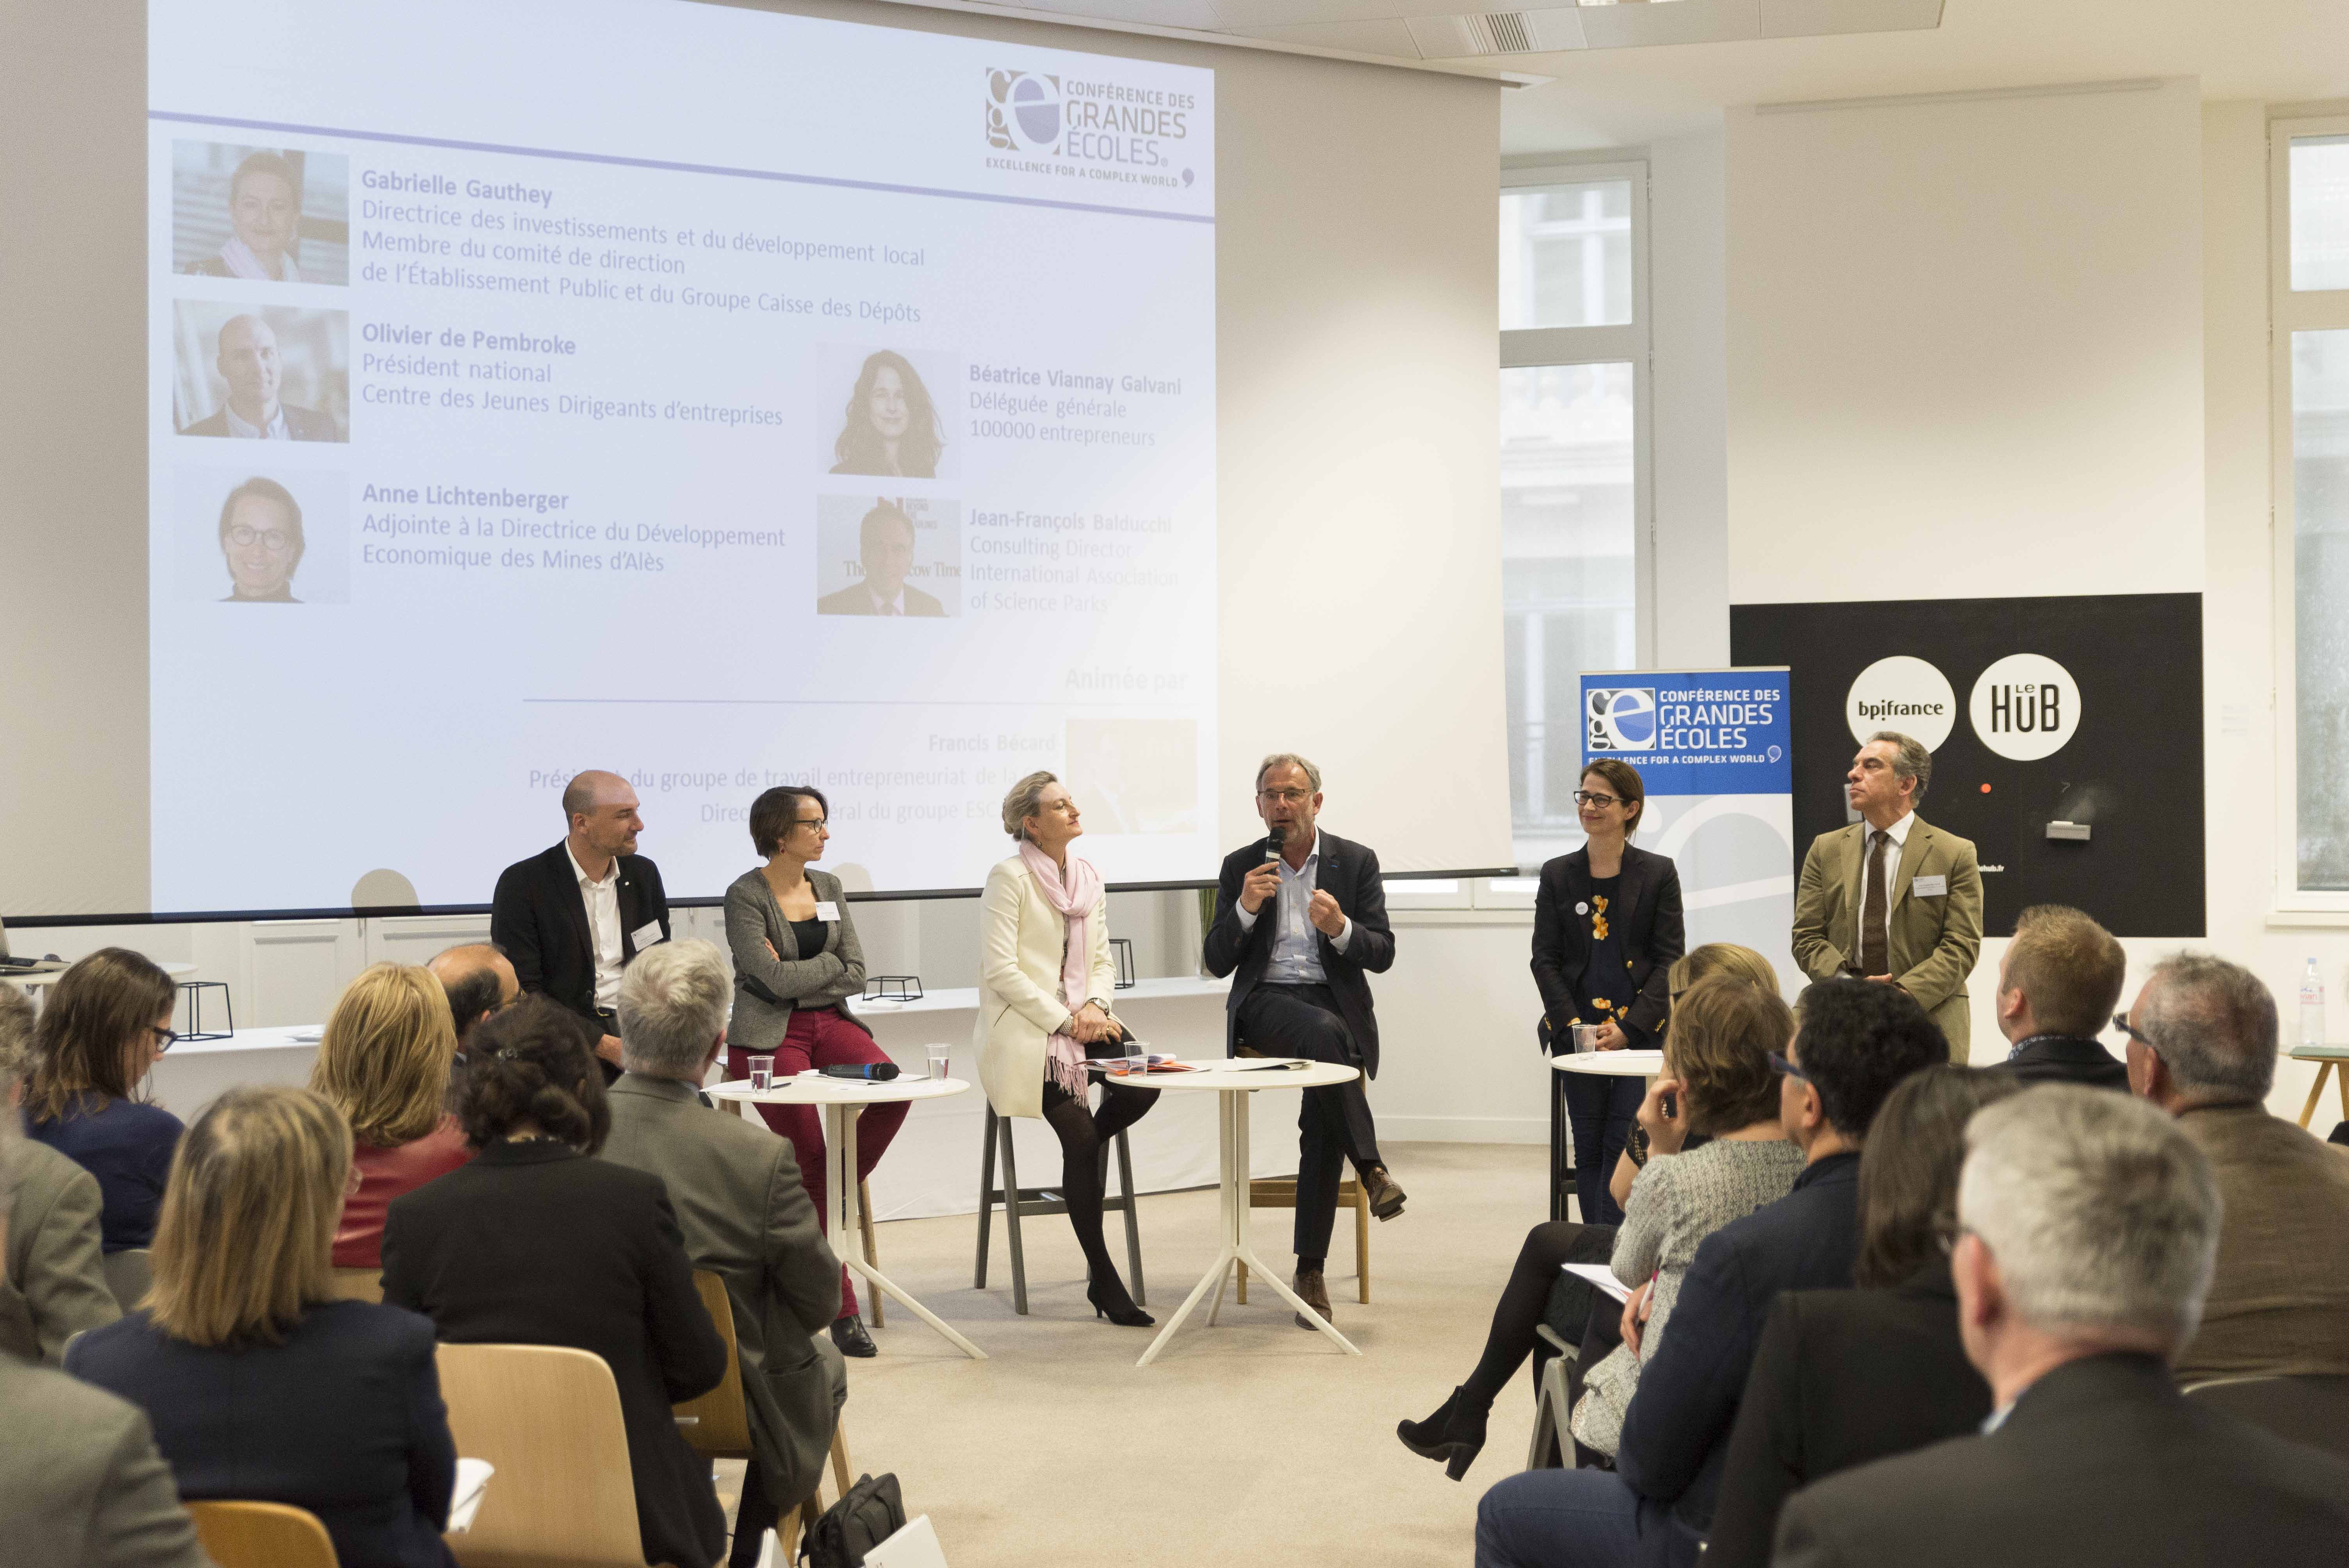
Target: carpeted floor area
[1252, 1442]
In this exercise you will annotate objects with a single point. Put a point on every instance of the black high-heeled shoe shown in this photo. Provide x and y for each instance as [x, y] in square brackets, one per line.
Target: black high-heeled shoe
[1455, 1434]
[1111, 1301]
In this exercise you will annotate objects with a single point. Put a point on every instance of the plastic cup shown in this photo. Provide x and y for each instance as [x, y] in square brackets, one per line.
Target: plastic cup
[941, 1057]
[762, 1073]
[1585, 1037]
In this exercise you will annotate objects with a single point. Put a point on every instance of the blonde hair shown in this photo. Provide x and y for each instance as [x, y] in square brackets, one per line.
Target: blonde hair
[1025, 801]
[242, 1245]
[1721, 958]
[384, 1060]
[1719, 1044]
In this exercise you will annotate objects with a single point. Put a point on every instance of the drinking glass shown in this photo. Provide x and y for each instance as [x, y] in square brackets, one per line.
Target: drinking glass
[940, 1057]
[1585, 1037]
[762, 1073]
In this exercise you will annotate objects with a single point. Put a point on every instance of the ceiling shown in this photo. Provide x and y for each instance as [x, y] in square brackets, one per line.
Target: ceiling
[1611, 88]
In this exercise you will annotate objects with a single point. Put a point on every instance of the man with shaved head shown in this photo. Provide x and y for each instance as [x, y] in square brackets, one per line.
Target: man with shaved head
[247, 360]
[572, 918]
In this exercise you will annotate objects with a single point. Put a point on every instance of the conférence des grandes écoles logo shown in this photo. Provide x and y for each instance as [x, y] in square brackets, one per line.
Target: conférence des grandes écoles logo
[1088, 127]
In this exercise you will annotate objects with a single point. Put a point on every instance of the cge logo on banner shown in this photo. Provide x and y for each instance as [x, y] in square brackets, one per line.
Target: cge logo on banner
[1713, 732]
[1117, 130]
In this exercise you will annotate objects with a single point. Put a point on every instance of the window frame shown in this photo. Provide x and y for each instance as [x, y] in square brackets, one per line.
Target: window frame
[2291, 311]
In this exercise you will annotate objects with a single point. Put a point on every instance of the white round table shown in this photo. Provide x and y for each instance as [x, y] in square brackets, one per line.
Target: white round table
[1610, 1063]
[1233, 1084]
[842, 1100]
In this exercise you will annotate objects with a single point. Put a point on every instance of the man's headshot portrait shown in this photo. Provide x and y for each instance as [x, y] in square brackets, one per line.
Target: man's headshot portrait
[266, 368]
[275, 215]
[886, 554]
[261, 540]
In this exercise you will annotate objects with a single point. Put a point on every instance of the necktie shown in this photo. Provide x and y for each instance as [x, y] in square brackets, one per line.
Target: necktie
[1874, 958]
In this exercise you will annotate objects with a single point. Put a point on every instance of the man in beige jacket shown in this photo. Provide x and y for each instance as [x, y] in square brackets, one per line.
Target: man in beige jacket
[1891, 898]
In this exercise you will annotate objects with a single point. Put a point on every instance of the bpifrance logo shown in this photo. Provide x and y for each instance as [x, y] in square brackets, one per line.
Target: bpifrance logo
[1023, 112]
[1621, 718]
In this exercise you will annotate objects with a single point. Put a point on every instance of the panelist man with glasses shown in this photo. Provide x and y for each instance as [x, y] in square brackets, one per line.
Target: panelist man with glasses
[261, 539]
[1300, 923]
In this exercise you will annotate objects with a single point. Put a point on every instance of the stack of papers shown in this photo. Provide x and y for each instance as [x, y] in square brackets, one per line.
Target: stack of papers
[1602, 1276]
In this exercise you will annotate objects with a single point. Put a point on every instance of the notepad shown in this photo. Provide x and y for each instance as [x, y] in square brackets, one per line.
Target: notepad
[472, 1480]
[1601, 1276]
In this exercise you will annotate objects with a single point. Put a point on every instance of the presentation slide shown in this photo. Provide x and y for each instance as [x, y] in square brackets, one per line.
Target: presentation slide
[724, 399]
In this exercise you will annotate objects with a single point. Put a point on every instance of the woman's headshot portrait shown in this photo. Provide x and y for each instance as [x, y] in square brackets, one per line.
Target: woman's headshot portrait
[266, 214]
[261, 539]
[892, 426]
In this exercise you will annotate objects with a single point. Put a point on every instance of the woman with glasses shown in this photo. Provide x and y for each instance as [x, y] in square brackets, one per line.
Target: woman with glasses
[261, 540]
[796, 964]
[106, 1019]
[1607, 928]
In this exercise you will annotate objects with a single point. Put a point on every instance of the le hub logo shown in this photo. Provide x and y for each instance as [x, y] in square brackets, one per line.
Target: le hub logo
[2024, 707]
[1621, 718]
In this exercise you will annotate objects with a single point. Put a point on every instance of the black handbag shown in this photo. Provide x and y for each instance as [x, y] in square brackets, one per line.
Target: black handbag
[868, 1515]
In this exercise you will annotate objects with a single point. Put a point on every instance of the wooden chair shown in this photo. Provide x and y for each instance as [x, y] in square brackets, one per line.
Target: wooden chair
[358, 1285]
[1280, 1192]
[995, 1138]
[548, 1418]
[871, 1250]
[2311, 1411]
[262, 1535]
[127, 1274]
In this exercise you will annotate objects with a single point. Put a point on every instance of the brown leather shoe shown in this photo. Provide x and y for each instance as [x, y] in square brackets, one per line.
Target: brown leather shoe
[1386, 1196]
[1309, 1285]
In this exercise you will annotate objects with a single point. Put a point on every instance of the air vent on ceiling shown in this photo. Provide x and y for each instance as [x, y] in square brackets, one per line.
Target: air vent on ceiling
[1502, 32]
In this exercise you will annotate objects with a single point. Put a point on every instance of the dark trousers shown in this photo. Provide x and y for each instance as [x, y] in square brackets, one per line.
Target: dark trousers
[1334, 1124]
[1600, 1110]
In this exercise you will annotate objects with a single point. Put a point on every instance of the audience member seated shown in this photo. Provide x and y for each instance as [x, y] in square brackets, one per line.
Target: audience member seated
[261, 1385]
[2087, 1225]
[479, 980]
[384, 1063]
[736, 1188]
[1536, 1292]
[80, 1481]
[1815, 1403]
[2057, 986]
[535, 1242]
[1855, 1039]
[2202, 1047]
[1717, 1069]
[52, 1286]
[106, 1019]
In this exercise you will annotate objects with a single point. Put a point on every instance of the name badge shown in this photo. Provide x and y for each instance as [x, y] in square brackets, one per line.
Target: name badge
[1931, 887]
[646, 935]
[826, 910]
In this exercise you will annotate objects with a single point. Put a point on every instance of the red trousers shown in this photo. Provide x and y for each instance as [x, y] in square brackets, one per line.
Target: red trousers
[821, 1037]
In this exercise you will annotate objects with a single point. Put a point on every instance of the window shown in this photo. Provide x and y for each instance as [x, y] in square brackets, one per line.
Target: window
[1574, 494]
[2310, 297]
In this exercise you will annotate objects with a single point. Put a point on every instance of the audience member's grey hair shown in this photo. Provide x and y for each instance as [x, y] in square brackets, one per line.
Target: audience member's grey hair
[1288, 759]
[1913, 761]
[1025, 801]
[2214, 1025]
[674, 999]
[15, 1036]
[2101, 1214]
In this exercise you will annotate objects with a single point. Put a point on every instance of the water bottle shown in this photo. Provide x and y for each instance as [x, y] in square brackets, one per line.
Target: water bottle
[2312, 1007]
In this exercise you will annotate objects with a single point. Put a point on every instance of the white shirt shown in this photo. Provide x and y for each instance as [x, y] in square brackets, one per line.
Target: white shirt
[894, 604]
[1296, 956]
[1899, 832]
[272, 432]
[602, 926]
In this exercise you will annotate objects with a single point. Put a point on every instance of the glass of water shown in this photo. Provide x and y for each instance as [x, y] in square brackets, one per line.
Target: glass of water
[940, 1058]
[1585, 1037]
[762, 1073]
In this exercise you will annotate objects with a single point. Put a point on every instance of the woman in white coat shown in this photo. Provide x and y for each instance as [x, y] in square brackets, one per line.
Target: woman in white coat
[1044, 980]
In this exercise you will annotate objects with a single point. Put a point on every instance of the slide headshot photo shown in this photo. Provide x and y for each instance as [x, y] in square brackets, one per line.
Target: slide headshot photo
[243, 538]
[270, 374]
[270, 214]
[880, 556]
[892, 423]
[1138, 774]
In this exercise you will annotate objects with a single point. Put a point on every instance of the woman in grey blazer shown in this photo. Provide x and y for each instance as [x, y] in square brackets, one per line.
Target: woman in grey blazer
[796, 962]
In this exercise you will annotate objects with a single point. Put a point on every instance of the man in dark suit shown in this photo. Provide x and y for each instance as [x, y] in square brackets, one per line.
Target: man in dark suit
[885, 547]
[2057, 985]
[1301, 917]
[572, 918]
[2088, 1225]
[746, 1217]
[247, 358]
[1855, 1043]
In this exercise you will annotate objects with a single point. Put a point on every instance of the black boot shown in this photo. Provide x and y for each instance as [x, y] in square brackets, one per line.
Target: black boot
[1455, 1434]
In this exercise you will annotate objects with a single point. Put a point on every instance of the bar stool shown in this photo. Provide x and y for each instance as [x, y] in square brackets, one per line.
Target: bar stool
[1018, 1201]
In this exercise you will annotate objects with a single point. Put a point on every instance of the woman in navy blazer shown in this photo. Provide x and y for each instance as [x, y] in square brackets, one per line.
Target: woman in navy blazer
[107, 1018]
[260, 1385]
[1606, 927]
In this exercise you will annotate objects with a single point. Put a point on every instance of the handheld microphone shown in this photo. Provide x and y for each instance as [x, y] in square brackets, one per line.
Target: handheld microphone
[875, 1072]
[1273, 845]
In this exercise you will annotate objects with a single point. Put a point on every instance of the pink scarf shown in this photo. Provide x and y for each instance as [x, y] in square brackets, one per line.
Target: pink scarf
[1074, 898]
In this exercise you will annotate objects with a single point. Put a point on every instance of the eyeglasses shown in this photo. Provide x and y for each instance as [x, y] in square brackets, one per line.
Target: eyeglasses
[2121, 1022]
[1779, 1064]
[1593, 798]
[818, 823]
[1285, 797]
[276, 540]
[164, 1038]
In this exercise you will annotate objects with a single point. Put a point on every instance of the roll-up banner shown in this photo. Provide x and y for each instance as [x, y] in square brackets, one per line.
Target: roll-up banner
[1714, 753]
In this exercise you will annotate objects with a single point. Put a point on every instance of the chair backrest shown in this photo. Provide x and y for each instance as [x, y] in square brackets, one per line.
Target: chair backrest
[2314, 1412]
[358, 1285]
[127, 1274]
[262, 1535]
[718, 1423]
[548, 1418]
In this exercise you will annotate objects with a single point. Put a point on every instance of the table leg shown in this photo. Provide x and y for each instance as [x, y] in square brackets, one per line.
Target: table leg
[1225, 1166]
[839, 1157]
[2316, 1090]
[1247, 1254]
